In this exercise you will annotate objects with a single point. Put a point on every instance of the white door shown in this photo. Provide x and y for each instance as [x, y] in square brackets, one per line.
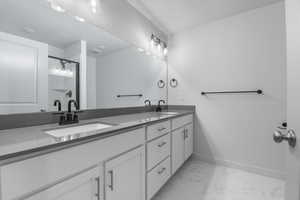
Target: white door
[293, 97]
[125, 176]
[85, 186]
[177, 149]
[188, 142]
[24, 75]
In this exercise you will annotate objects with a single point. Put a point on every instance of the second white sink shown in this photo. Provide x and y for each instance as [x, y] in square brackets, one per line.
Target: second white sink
[169, 113]
[62, 132]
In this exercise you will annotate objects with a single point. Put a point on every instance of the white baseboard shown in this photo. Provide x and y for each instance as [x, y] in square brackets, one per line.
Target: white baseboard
[248, 168]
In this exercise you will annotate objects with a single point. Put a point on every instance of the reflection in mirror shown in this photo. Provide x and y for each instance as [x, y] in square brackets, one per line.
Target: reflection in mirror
[63, 82]
[127, 77]
[49, 54]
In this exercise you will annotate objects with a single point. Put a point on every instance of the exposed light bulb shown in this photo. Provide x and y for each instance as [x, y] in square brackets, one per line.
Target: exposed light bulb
[165, 51]
[159, 47]
[152, 42]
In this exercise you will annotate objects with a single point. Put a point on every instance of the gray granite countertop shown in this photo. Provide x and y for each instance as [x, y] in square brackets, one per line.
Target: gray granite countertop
[21, 143]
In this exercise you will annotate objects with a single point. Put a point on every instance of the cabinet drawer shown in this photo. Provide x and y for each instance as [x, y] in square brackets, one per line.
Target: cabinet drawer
[158, 129]
[21, 178]
[86, 185]
[158, 150]
[158, 177]
[181, 121]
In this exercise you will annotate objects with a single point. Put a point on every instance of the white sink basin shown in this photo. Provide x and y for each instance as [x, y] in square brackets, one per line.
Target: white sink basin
[169, 113]
[75, 130]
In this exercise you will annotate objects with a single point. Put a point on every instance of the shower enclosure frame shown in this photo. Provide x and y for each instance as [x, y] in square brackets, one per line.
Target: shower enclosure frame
[77, 66]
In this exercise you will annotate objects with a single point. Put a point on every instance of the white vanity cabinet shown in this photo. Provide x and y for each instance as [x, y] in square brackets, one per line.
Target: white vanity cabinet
[182, 141]
[86, 185]
[31, 176]
[125, 176]
[158, 156]
[133, 165]
[157, 177]
[178, 149]
[188, 141]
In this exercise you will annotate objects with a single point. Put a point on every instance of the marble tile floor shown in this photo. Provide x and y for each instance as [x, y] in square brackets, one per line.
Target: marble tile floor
[198, 180]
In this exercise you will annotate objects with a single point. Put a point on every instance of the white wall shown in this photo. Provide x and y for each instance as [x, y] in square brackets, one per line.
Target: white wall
[91, 82]
[129, 71]
[242, 52]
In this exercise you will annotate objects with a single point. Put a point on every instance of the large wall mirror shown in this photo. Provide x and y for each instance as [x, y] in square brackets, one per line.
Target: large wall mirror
[47, 54]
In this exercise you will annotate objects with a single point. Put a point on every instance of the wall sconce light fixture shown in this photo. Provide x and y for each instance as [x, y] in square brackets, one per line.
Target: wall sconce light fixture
[94, 6]
[161, 46]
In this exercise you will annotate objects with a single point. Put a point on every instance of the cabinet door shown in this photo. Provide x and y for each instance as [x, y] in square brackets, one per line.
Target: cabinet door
[188, 142]
[83, 186]
[24, 75]
[125, 176]
[177, 149]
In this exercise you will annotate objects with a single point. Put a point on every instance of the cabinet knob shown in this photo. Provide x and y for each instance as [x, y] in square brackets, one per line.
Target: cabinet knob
[161, 129]
[111, 185]
[162, 144]
[97, 194]
[185, 132]
[162, 170]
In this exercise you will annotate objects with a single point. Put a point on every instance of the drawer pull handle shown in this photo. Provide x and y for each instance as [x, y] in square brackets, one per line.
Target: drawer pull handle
[161, 171]
[185, 132]
[111, 186]
[162, 144]
[98, 188]
[161, 129]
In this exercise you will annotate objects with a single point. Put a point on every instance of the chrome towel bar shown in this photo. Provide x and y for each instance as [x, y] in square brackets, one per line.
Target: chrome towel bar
[259, 92]
[129, 95]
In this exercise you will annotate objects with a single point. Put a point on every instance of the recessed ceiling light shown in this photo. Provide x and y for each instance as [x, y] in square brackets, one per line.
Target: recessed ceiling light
[97, 51]
[28, 30]
[141, 49]
[101, 47]
[80, 19]
[94, 6]
[57, 7]
[93, 3]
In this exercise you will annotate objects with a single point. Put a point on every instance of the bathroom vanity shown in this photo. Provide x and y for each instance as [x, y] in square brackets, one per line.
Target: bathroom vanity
[130, 160]
[69, 89]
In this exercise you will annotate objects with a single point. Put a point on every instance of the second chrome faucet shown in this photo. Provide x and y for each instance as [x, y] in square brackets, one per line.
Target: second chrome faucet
[159, 108]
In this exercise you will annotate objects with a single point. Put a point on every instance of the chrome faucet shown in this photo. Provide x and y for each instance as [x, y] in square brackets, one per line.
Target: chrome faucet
[70, 105]
[58, 104]
[147, 102]
[72, 117]
[158, 108]
[69, 117]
